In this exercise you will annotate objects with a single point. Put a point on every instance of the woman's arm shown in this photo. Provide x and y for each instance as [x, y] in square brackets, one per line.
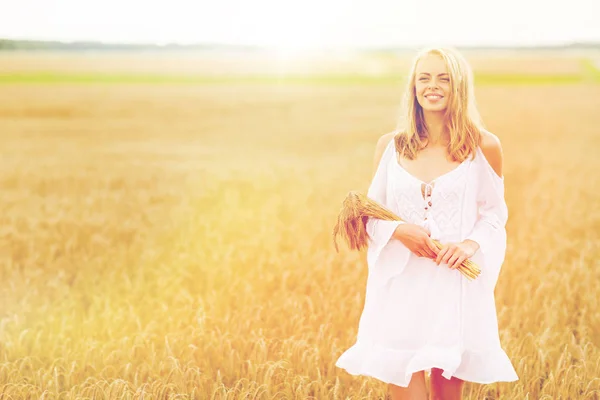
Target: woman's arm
[380, 231]
[489, 231]
[492, 215]
[385, 257]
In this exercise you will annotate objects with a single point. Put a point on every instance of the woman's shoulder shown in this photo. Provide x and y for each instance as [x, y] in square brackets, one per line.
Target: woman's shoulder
[384, 140]
[491, 147]
[381, 145]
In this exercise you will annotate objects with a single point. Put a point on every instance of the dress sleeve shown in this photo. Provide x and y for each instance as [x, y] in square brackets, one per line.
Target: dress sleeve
[386, 256]
[489, 230]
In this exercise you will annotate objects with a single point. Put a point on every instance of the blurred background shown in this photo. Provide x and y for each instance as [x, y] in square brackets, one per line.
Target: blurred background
[170, 173]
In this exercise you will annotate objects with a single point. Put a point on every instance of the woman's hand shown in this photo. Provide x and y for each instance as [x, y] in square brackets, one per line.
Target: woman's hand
[416, 239]
[454, 254]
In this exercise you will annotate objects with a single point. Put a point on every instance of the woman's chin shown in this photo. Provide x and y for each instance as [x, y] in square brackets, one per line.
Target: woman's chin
[434, 109]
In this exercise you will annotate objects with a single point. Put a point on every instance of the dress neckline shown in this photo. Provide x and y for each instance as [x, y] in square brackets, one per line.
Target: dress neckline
[395, 161]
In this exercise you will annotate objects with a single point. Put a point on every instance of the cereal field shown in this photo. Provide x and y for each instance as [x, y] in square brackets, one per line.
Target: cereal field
[171, 240]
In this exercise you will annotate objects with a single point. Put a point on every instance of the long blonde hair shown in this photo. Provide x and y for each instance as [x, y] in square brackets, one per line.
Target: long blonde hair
[461, 118]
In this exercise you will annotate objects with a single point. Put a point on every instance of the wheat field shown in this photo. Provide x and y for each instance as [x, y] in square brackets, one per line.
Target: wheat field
[174, 241]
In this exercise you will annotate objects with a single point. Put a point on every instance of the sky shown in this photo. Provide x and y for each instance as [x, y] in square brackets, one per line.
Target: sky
[305, 23]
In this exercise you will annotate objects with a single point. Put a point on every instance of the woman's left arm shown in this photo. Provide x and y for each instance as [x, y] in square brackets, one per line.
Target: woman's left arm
[489, 231]
[486, 243]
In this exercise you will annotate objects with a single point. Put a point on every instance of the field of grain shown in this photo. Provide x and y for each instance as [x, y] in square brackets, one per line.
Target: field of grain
[174, 241]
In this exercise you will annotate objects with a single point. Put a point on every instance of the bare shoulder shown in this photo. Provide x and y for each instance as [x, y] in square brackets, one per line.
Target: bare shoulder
[382, 143]
[492, 150]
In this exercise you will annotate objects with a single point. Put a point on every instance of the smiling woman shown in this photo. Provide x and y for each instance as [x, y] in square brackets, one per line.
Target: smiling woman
[441, 173]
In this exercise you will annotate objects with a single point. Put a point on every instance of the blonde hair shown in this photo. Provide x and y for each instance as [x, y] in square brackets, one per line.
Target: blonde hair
[462, 118]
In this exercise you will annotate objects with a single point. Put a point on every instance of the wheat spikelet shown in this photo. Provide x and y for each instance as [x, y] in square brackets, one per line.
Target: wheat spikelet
[352, 221]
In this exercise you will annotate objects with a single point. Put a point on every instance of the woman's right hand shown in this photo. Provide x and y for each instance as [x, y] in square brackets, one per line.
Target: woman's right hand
[417, 239]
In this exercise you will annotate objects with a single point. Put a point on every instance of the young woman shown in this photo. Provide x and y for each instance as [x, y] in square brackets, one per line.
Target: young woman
[441, 172]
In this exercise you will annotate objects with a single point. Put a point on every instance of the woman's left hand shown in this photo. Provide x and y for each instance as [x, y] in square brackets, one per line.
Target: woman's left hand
[454, 254]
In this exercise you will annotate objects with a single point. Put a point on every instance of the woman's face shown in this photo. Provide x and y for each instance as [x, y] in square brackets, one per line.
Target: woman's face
[432, 83]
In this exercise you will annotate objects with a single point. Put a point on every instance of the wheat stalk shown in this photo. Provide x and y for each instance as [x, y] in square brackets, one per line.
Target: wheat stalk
[352, 220]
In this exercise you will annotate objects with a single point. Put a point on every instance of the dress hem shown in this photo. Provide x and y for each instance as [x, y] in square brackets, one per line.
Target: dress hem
[397, 366]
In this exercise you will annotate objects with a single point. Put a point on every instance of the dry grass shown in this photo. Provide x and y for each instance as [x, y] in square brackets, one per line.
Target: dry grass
[165, 240]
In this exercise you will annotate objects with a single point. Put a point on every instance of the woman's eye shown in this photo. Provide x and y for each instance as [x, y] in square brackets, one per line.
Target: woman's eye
[445, 80]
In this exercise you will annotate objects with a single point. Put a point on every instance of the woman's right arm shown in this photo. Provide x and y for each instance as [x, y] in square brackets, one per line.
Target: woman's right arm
[414, 237]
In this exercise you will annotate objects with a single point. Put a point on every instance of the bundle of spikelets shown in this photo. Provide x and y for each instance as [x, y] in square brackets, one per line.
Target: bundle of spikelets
[352, 226]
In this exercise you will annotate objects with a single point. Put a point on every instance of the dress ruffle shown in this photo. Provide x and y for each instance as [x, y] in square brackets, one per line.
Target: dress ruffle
[397, 366]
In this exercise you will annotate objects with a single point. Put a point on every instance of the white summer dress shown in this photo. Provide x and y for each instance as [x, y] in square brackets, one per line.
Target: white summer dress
[417, 314]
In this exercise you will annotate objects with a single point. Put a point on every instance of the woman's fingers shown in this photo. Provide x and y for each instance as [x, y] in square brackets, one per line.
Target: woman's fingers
[424, 252]
[452, 260]
[433, 248]
[441, 254]
[458, 262]
[457, 258]
[449, 253]
[432, 253]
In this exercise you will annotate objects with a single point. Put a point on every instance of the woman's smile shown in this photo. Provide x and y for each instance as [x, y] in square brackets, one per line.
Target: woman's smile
[433, 97]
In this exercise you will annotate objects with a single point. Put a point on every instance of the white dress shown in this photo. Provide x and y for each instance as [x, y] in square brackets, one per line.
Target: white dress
[417, 314]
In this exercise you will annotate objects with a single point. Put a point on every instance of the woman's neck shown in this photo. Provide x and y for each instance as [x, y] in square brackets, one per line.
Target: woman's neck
[436, 128]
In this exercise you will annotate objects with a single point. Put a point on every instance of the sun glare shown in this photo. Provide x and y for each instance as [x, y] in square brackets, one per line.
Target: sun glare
[293, 43]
